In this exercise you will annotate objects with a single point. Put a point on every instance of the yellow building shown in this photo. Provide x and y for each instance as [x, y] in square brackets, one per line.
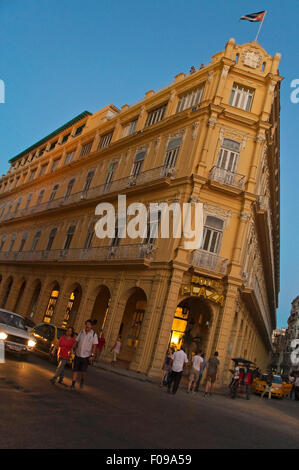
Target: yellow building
[210, 136]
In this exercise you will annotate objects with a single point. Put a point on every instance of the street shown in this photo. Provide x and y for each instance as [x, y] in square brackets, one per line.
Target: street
[116, 412]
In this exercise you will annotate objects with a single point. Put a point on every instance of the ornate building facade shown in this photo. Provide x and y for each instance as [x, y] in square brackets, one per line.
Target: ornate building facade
[210, 136]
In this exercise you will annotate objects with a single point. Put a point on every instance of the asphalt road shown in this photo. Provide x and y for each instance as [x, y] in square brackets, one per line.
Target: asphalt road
[116, 412]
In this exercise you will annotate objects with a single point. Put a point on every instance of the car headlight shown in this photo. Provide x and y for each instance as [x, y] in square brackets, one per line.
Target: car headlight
[3, 335]
[31, 343]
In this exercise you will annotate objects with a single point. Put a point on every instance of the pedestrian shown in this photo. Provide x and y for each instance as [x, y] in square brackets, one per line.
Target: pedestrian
[115, 350]
[197, 361]
[212, 374]
[64, 347]
[101, 344]
[85, 347]
[166, 368]
[292, 380]
[203, 366]
[297, 388]
[179, 359]
[268, 387]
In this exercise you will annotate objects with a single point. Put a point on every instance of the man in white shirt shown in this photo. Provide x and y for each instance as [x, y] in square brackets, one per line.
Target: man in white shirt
[197, 362]
[85, 347]
[179, 359]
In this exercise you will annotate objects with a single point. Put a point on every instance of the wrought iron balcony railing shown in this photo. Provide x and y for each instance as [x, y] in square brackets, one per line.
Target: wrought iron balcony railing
[209, 261]
[101, 253]
[227, 177]
[94, 192]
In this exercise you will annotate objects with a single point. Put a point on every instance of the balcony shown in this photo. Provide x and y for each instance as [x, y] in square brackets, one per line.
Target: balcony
[121, 184]
[219, 175]
[96, 254]
[209, 261]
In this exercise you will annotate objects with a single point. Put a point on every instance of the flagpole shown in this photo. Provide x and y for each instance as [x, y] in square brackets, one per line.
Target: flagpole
[259, 30]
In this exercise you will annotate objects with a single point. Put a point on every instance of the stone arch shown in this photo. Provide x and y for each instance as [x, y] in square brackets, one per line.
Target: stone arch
[73, 304]
[100, 310]
[36, 290]
[192, 324]
[20, 288]
[135, 301]
[53, 295]
[6, 290]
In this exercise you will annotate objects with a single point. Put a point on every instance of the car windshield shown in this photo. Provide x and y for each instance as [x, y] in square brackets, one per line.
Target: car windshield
[60, 332]
[277, 379]
[11, 319]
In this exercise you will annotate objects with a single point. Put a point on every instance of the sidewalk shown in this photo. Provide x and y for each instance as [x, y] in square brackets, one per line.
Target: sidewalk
[222, 390]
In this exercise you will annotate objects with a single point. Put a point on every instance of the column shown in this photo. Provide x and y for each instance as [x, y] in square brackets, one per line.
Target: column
[163, 336]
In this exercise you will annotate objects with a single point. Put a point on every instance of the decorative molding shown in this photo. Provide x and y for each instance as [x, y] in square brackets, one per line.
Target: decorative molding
[251, 58]
[212, 122]
[194, 129]
[225, 71]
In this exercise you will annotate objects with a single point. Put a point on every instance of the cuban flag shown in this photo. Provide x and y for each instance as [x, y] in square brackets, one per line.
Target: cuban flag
[254, 17]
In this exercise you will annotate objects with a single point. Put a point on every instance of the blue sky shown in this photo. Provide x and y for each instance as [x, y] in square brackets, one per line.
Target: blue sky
[60, 57]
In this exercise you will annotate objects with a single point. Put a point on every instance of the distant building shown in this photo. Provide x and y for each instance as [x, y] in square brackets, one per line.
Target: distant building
[292, 334]
[279, 342]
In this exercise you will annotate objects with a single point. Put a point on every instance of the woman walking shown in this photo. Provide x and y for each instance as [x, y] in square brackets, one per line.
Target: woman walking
[64, 346]
[166, 368]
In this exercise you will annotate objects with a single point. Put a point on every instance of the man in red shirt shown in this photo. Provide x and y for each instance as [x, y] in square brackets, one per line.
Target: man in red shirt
[64, 346]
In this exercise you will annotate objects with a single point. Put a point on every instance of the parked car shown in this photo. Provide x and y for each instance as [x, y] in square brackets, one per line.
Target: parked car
[13, 332]
[47, 336]
[279, 388]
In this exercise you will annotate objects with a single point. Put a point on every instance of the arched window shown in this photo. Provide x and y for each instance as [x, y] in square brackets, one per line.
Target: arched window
[213, 230]
[69, 188]
[23, 241]
[229, 155]
[54, 190]
[3, 240]
[40, 197]
[69, 236]
[51, 238]
[35, 240]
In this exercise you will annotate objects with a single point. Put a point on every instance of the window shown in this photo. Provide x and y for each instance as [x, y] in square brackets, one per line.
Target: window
[109, 177]
[138, 162]
[40, 197]
[152, 228]
[23, 241]
[3, 209]
[51, 238]
[130, 128]
[55, 164]
[28, 200]
[41, 152]
[18, 204]
[172, 152]
[89, 236]
[69, 157]
[119, 229]
[79, 130]
[86, 149]
[241, 97]
[228, 155]
[69, 188]
[54, 190]
[43, 170]
[3, 240]
[35, 240]
[105, 140]
[192, 98]
[12, 241]
[32, 175]
[212, 234]
[53, 145]
[65, 138]
[69, 237]
[9, 207]
[156, 115]
[88, 181]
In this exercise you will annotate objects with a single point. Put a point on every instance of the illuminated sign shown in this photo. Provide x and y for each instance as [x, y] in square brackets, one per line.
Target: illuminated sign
[209, 289]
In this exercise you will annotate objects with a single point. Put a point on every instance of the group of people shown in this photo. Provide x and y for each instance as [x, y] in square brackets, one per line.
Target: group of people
[176, 361]
[87, 347]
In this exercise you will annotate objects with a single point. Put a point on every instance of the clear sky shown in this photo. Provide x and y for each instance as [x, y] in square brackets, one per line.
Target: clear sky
[61, 57]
